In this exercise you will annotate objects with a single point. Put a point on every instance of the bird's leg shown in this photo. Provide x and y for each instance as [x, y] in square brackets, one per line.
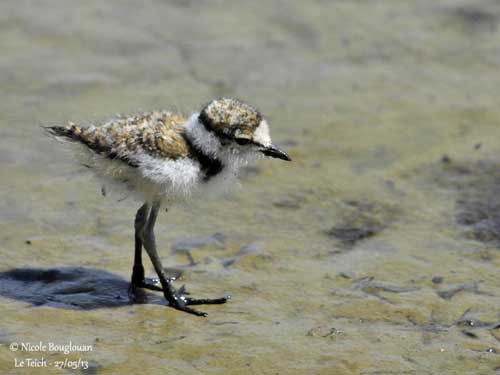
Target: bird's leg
[176, 299]
[138, 279]
[139, 223]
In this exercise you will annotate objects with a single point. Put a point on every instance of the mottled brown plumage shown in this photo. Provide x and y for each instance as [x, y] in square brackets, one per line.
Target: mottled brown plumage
[159, 134]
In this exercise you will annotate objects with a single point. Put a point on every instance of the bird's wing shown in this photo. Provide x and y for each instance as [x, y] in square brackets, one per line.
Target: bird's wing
[157, 134]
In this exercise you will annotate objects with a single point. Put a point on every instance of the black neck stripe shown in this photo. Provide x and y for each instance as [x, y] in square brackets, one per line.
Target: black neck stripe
[209, 166]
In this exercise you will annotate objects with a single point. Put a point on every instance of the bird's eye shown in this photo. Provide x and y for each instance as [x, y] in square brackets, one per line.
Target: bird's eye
[242, 141]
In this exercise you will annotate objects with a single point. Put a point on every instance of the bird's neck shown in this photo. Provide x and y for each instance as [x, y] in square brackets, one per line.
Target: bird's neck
[201, 138]
[205, 147]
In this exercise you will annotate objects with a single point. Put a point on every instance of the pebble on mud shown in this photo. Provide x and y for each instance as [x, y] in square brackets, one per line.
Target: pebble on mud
[445, 159]
[437, 279]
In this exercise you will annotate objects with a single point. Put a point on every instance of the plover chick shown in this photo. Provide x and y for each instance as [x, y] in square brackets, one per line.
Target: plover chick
[164, 158]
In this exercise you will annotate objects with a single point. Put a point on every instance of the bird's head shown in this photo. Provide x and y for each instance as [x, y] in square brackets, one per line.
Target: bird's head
[239, 128]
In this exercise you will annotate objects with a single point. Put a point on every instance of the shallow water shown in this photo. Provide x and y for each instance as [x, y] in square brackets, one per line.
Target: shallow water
[376, 251]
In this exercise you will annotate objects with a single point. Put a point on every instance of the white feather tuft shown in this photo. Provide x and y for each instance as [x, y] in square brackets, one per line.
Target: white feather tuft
[261, 134]
[173, 178]
[205, 140]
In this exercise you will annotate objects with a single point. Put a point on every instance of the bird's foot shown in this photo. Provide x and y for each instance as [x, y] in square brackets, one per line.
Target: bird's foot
[151, 284]
[178, 300]
[135, 292]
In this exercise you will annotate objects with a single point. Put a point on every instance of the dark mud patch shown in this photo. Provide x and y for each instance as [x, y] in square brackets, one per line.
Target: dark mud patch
[293, 203]
[477, 206]
[469, 325]
[378, 289]
[471, 18]
[450, 291]
[294, 200]
[360, 220]
[373, 287]
[349, 235]
[472, 326]
[476, 18]
[67, 287]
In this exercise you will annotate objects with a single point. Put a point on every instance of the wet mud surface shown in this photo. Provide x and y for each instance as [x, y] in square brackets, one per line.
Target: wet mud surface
[376, 251]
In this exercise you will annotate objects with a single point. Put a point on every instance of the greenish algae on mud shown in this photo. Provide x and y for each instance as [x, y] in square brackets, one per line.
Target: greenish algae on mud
[367, 97]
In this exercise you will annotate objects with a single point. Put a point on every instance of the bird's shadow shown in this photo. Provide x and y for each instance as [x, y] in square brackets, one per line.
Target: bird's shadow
[79, 288]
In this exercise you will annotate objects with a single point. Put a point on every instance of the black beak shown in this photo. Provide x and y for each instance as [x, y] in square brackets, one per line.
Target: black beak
[275, 152]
